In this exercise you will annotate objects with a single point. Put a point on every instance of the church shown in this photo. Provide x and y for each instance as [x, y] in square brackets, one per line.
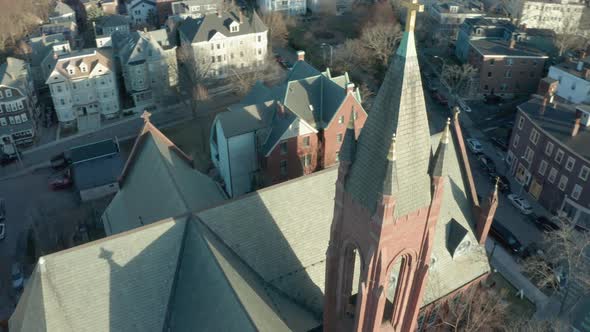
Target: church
[369, 245]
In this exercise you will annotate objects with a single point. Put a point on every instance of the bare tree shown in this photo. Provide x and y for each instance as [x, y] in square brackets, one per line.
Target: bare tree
[564, 265]
[244, 80]
[566, 41]
[525, 324]
[457, 77]
[352, 56]
[192, 75]
[278, 27]
[475, 309]
[381, 40]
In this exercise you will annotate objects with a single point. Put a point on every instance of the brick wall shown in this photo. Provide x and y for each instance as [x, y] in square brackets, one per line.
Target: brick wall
[296, 150]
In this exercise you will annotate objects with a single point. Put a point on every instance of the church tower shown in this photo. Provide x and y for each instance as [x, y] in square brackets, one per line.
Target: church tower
[388, 198]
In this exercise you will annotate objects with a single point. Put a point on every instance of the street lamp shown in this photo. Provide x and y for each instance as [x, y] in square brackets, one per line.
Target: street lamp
[322, 46]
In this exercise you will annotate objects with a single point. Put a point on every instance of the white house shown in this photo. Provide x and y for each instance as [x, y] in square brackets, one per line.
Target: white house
[83, 88]
[106, 25]
[148, 65]
[561, 16]
[289, 7]
[219, 44]
[574, 80]
[142, 11]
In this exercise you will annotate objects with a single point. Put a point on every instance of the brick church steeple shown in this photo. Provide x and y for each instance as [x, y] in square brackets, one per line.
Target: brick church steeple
[388, 198]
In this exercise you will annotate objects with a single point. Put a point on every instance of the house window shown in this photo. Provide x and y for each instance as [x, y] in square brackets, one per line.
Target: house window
[552, 175]
[24, 117]
[515, 140]
[341, 119]
[489, 74]
[58, 87]
[306, 141]
[534, 136]
[212, 47]
[508, 73]
[528, 155]
[584, 173]
[234, 29]
[19, 104]
[492, 61]
[543, 167]
[307, 160]
[562, 183]
[549, 149]
[218, 46]
[213, 59]
[337, 156]
[259, 38]
[11, 120]
[219, 58]
[1, 96]
[3, 122]
[559, 156]
[283, 166]
[520, 122]
[503, 87]
[509, 62]
[569, 164]
[576, 192]
[284, 148]
[339, 138]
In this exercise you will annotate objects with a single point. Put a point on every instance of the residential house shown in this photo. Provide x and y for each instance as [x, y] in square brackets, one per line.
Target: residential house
[574, 80]
[220, 44]
[280, 133]
[505, 68]
[549, 156]
[18, 103]
[68, 29]
[195, 8]
[62, 13]
[561, 16]
[142, 12]
[105, 26]
[95, 169]
[448, 16]
[280, 258]
[42, 56]
[288, 7]
[490, 28]
[83, 88]
[109, 7]
[148, 65]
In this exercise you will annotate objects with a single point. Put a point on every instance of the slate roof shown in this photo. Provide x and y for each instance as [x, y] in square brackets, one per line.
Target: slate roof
[169, 171]
[204, 28]
[134, 47]
[41, 49]
[98, 172]
[399, 108]
[90, 57]
[489, 47]
[107, 21]
[13, 73]
[93, 150]
[558, 122]
[244, 119]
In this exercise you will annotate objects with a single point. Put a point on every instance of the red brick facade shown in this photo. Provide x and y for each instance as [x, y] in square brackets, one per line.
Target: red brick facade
[323, 147]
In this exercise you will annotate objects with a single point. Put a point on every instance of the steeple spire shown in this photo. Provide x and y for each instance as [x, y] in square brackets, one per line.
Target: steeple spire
[438, 160]
[390, 182]
[398, 108]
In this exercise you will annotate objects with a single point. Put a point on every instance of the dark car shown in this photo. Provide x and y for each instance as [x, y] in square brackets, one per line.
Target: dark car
[440, 99]
[61, 182]
[505, 238]
[59, 162]
[503, 183]
[500, 143]
[6, 159]
[492, 99]
[487, 163]
[545, 224]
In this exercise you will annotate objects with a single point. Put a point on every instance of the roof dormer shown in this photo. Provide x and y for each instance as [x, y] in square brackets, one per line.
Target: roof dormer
[71, 69]
[83, 67]
[234, 26]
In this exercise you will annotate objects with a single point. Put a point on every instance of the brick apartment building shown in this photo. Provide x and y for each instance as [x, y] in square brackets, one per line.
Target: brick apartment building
[505, 68]
[549, 155]
[279, 133]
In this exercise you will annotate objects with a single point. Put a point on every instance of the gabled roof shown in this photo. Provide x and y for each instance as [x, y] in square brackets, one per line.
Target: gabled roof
[399, 108]
[204, 28]
[14, 73]
[90, 57]
[93, 150]
[134, 3]
[240, 119]
[175, 187]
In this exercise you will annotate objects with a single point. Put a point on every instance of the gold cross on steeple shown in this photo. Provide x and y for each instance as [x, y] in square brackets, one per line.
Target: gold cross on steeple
[413, 7]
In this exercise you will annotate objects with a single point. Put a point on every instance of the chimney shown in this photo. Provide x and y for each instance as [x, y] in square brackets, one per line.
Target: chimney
[576, 127]
[300, 55]
[280, 110]
[241, 17]
[350, 87]
[44, 38]
[586, 72]
[218, 13]
[55, 56]
[512, 42]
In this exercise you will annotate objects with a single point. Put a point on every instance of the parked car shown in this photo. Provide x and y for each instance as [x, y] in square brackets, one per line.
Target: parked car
[6, 159]
[487, 163]
[503, 182]
[520, 203]
[2, 230]
[545, 224]
[492, 99]
[18, 279]
[505, 238]
[440, 99]
[474, 145]
[531, 250]
[500, 143]
[62, 182]
[2, 209]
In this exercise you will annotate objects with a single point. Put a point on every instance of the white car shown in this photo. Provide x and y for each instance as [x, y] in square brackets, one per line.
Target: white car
[464, 107]
[474, 145]
[520, 203]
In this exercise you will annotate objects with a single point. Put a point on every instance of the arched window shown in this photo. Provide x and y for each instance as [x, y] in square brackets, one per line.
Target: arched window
[351, 269]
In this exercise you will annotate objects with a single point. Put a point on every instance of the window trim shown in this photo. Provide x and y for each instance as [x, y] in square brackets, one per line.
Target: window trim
[582, 169]
[560, 154]
[576, 191]
[543, 167]
[567, 163]
[549, 149]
